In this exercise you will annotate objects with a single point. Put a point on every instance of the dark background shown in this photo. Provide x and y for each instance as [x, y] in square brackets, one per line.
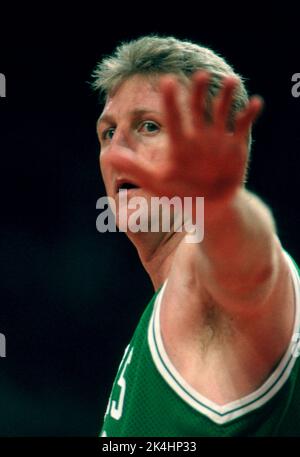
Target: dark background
[70, 296]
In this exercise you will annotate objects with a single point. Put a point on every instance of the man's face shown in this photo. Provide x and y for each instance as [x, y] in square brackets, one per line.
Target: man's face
[132, 123]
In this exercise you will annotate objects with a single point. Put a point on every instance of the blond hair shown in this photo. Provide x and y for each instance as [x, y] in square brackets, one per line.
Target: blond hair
[155, 55]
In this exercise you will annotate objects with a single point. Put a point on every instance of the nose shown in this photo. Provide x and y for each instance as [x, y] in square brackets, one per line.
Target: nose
[120, 143]
[121, 138]
[119, 146]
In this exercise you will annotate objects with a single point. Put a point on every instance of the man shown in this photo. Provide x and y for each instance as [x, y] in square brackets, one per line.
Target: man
[215, 352]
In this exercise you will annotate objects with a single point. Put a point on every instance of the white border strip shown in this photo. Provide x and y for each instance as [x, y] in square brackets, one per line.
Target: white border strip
[225, 413]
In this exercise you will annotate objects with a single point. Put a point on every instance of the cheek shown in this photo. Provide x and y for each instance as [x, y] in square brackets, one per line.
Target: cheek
[104, 162]
[101, 162]
[156, 148]
[104, 168]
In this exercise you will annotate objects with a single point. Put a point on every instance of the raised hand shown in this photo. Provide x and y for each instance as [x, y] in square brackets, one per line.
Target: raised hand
[203, 158]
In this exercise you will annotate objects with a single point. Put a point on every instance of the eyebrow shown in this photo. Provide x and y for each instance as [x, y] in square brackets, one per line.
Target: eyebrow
[133, 114]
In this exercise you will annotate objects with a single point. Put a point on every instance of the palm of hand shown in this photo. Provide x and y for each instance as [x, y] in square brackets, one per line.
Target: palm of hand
[203, 158]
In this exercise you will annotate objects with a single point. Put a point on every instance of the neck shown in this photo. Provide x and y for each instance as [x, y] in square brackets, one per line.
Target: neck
[156, 252]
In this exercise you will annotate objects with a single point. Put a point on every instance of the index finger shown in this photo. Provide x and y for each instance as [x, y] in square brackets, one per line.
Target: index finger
[173, 117]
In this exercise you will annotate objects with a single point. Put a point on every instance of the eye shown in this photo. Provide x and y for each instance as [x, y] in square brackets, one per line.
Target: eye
[148, 127]
[107, 134]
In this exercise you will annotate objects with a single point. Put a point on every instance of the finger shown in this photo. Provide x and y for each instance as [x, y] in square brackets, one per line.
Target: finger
[173, 118]
[140, 171]
[247, 117]
[198, 99]
[223, 102]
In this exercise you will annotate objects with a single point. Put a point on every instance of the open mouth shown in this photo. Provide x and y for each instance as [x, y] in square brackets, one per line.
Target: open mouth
[126, 185]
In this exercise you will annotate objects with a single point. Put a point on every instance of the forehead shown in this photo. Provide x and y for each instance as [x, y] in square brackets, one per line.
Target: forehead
[137, 92]
[134, 92]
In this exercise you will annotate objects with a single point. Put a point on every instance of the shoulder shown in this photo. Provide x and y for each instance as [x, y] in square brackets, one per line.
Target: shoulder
[194, 323]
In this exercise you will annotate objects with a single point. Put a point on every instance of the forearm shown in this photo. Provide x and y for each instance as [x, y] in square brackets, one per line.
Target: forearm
[238, 245]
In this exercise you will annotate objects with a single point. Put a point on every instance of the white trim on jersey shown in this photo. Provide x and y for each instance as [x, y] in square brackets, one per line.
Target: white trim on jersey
[225, 413]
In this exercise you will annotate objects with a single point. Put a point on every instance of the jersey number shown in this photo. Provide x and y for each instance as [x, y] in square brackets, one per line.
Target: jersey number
[117, 406]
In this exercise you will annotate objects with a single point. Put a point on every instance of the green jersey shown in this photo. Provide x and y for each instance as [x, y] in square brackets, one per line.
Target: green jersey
[150, 398]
